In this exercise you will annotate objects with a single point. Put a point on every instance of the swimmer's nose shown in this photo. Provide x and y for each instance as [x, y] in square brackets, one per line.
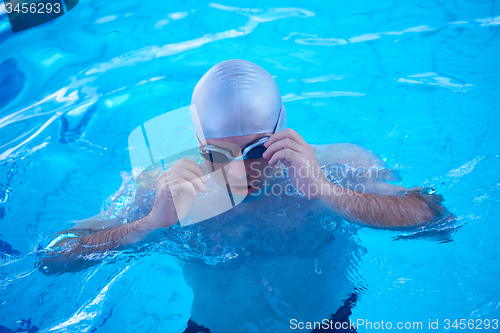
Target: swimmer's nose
[237, 170]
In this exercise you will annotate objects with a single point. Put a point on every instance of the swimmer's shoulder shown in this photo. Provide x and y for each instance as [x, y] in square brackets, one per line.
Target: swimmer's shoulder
[346, 153]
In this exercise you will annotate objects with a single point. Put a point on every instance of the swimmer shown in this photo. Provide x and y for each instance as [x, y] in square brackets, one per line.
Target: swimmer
[289, 266]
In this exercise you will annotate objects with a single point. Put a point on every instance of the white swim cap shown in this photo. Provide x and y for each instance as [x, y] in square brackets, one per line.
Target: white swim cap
[234, 98]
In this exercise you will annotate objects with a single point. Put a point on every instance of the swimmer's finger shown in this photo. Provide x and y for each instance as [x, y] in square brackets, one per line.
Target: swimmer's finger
[191, 166]
[181, 184]
[197, 170]
[283, 155]
[162, 181]
[190, 176]
[287, 133]
[279, 145]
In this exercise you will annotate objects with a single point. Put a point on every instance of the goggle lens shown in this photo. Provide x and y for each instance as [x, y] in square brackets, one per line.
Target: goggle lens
[256, 152]
[215, 157]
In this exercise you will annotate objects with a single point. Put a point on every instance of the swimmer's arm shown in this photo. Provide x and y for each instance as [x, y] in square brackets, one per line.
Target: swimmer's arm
[376, 210]
[68, 253]
[381, 204]
[125, 234]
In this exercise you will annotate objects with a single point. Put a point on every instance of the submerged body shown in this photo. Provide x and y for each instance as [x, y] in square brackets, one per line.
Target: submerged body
[284, 265]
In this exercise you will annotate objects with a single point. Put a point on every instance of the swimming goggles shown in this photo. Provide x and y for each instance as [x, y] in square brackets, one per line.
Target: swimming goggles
[216, 154]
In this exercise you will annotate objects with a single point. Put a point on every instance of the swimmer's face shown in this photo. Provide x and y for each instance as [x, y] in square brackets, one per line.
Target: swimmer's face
[246, 176]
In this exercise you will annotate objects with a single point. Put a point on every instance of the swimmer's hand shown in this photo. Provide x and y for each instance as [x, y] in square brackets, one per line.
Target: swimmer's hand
[175, 192]
[298, 156]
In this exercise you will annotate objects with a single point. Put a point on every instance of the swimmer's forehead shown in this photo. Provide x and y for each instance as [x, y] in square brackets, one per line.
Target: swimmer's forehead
[233, 141]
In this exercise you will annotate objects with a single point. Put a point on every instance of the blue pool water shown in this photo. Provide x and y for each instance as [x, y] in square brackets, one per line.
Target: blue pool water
[417, 82]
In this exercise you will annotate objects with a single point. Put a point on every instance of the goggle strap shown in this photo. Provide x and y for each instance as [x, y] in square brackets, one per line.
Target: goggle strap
[279, 119]
[195, 134]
